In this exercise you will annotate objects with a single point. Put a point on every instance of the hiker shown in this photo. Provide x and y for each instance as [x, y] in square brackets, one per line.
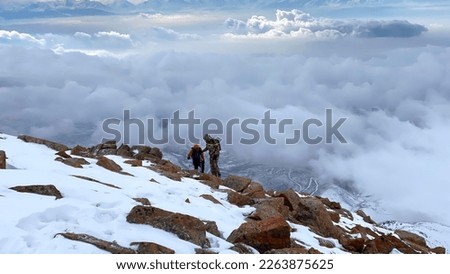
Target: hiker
[198, 159]
[213, 146]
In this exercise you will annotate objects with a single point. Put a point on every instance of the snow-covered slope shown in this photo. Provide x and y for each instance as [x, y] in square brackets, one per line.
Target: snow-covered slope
[97, 202]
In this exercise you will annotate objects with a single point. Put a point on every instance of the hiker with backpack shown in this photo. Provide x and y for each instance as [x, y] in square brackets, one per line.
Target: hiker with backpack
[213, 146]
[198, 159]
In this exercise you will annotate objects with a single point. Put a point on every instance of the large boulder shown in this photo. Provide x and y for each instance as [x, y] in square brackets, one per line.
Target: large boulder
[186, 227]
[264, 235]
[254, 190]
[236, 183]
[311, 212]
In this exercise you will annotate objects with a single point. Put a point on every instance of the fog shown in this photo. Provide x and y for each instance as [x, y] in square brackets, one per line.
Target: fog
[61, 78]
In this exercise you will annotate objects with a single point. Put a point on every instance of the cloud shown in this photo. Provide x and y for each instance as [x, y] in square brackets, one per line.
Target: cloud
[393, 92]
[14, 37]
[296, 23]
[170, 34]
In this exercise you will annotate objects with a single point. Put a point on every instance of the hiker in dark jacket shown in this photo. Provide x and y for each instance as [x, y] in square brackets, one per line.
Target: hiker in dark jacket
[213, 146]
[198, 158]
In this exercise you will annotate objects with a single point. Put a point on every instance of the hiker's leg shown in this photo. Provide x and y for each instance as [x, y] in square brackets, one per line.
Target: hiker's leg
[215, 168]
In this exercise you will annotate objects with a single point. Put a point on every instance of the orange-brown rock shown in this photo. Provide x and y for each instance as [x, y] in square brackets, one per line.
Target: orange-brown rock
[73, 162]
[111, 247]
[238, 199]
[47, 190]
[254, 190]
[186, 227]
[291, 199]
[264, 211]
[236, 183]
[310, 211]
[264, 235]
[134, 162]
[276, 202]
[210, 198]
[108, 164]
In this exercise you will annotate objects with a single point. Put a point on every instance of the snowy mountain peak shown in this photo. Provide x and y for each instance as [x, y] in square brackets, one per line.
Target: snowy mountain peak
[122, 199]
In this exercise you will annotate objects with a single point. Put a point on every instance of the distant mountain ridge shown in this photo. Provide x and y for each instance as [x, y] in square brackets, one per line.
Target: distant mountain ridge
[67, 8]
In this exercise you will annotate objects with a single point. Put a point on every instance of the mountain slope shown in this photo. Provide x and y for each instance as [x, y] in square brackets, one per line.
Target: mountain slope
[109, 199]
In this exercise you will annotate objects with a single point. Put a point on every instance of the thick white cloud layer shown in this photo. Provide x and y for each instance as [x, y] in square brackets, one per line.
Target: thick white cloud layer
[394, 92]
[297, 23]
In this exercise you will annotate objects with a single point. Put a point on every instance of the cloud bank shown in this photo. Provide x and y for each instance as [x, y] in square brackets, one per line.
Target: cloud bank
[296, 23]
[393, 90]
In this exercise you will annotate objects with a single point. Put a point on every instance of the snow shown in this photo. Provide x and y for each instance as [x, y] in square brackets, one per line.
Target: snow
[31, 223]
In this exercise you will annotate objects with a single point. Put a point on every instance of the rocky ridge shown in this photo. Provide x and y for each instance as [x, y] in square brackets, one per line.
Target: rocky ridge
[275, 224]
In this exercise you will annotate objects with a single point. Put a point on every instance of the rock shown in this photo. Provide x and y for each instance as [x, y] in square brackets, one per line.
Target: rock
[186, 227]
[2, 159]
[289, 250]
[254, 190]
[111, 144]
[63, 154]
[111, 247]
[152, 248]
[82, 151]
[291, 199]
[204, 251]
[47, 190]
[210, 180]
[384, 244]
[108, 164]
[326, 243]
[73, 162]
[238, 199]
[152, 154]
[272, 233]
[210, 198]
[47, 143]
[330, 204]
[156, 152]
[366, 218]
[276, 202]
[143, 201]
[264, 211]
[236, 183]
[243, 249]
[169, 170]
[124, 151]
[438, 250]
[212, 228]
[355, 245]
[140, 149]
[310, 211]
[108, 151]
[365, 232]
[411, 237]
[95, 181]
[134, 162]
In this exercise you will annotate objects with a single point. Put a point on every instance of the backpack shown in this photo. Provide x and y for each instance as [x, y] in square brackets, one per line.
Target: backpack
[196, 154]
[217, 141]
